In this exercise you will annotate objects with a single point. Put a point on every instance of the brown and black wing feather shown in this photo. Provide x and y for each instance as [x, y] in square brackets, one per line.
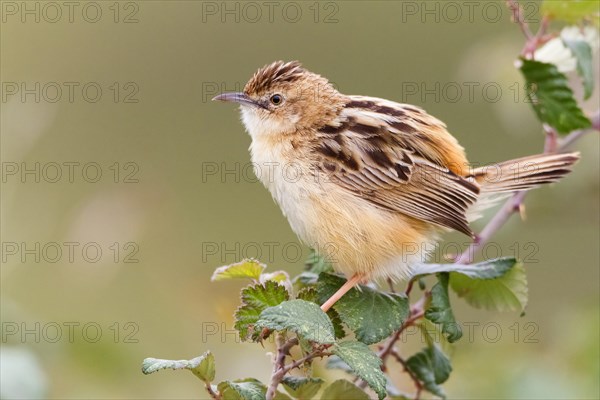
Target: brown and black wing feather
[398, 158]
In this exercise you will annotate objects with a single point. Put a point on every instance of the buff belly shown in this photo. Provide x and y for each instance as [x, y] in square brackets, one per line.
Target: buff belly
[353, 234]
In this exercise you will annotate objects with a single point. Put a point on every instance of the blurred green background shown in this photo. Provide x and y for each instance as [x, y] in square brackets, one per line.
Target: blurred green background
[176, 192]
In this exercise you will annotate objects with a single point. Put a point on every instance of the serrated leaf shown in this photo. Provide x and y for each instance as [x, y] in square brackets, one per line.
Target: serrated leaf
[372, 315]
[585, 65]
[310, 294]
[344, 390]
[300, 316]
[301, 387]
[203, 366]
[243, 389]
[364, 363]
[255, 299]
[570, 10]
[506, 293]
[484, 270]
[440, 310]
[552, 98]
[249, 269]
[317, 264]
[431, 367]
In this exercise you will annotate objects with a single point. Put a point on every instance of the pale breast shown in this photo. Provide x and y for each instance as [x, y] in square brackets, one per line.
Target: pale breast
[290, 182]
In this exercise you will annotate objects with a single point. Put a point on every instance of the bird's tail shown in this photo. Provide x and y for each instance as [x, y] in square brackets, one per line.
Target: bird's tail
[523, 173]
[498, 181]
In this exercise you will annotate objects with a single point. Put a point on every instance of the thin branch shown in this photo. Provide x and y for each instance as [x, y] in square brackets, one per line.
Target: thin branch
[517, 14]
[297, 363]
[409, 287]
[280, 369]
[415, 379]
[211, 392]
[533, 41]
[283, 349]
[417, 311]
[576, 135]
[515, 203]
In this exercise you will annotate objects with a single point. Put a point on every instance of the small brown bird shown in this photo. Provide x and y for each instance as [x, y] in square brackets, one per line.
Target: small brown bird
[362, 179]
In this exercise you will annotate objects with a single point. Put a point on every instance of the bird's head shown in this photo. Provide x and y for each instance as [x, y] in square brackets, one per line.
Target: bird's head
[283, 98]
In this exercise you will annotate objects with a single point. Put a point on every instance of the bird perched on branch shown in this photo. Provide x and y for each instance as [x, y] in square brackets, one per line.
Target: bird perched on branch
[369, 183]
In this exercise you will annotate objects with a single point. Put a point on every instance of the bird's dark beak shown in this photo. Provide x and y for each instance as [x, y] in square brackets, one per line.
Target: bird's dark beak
[237, 97]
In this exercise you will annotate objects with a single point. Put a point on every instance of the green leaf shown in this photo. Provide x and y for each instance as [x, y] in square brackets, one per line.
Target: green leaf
[440, 310]
[344, 390]
[372, 315]
[302, 388]
[317, 264]
[255, 299]
[310, 294]
[248, 268]
[585, 65]
[433, 335]
[506, 293]
[305, 279]
[303, 317]
[243, 389]
[203, 366]
[364, 363]
[281, 277]
[484, 270]
[552, 98]
[570, 10]
[431, 367]
[334, 362]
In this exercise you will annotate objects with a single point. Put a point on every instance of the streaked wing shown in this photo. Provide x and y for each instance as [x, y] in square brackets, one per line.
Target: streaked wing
[399, 158]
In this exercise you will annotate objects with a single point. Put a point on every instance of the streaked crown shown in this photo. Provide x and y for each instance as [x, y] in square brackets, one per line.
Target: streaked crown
[274, 74]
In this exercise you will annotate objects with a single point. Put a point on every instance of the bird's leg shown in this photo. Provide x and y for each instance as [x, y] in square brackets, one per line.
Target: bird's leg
[350, 283]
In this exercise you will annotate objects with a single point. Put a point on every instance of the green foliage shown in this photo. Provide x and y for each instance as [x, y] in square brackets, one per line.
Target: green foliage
[203, 366]
[242, 389]
[344, 390]
[281, 277]
[585, 63]
[310, 294]
[299, 316]
[505, 293]
[372, 315]
[364, 363]
[489, 269]
[573, 11]
[249, 268]
[552, 98]
[316, 264]
[440, 311]
[302, 388]
[431, 367]
[305, 279]
[255, 299]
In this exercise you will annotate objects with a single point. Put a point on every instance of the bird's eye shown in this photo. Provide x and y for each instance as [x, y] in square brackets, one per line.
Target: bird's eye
[276, 99]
